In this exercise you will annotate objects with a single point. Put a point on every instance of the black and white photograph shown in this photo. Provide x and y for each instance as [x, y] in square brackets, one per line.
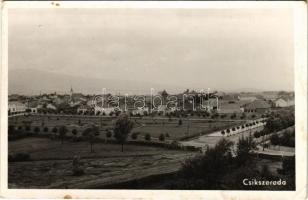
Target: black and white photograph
[152, 98]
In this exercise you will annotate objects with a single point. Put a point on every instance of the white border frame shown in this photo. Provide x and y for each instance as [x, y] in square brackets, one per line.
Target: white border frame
[300, 65]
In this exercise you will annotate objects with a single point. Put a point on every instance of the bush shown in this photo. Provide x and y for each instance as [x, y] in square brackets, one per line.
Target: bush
[147, 137]
[223, 116]
[46, 129]
[27, 128]
[78, 139]
[36, 130]
[275, 140]
[233, 129]
[180, 122]
[74, 132]
[174, 144]
[54, 130]
[11, 129]
[167, 135]
[161, 137]
[257, 134]
[108, 134]
[134, 136]
[19, 157]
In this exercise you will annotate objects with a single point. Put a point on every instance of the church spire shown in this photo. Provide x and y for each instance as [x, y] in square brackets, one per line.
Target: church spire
[71, 93]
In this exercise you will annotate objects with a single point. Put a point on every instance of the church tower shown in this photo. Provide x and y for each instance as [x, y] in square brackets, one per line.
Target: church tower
[71, 93]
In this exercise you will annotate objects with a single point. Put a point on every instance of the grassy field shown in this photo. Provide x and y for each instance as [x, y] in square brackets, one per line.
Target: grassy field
[143, 126]
[51, 163]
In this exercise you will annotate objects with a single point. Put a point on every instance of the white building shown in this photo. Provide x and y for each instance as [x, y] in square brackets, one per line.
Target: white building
[284, 102]
[50, 106]
[16, 107]
[83, 108]
[101, 110]
[33, 110]
[140, 111]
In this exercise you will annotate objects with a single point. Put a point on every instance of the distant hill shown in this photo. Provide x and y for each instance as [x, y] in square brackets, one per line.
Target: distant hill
[30, 81]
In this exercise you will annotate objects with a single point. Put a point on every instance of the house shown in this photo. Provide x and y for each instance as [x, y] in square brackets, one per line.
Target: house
[50, 106]
[15, 107]
[270, 95]
[161, 108]
[140, 111]
[210, 105]
[102, 110]
[82, 109]
[259, 106]
[33, 106]
[284, 102]
[92, 102]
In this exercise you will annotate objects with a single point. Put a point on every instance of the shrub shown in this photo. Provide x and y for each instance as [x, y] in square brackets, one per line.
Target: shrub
[180, 122]
[134, 136]
[27, 128]
[161, 137]
[233, 116]
[19, 127]
[275, 140]
[257, 134]
[108, 134]
[54, 130]
[37, 130]
[11, 129]
[46, 129]
[167, 135]
[74, 132]
[223, 132]
[174, 144]
[233, 129]
[19, 157]
[147, 137]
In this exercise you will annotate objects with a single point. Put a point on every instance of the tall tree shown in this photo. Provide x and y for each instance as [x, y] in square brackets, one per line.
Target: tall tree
[90, 134]
[62, 133]
[244, 146]
[122, 128]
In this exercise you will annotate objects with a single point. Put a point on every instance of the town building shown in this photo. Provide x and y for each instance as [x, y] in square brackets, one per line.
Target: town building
[284, 102]
[15, 107]
[259, 106]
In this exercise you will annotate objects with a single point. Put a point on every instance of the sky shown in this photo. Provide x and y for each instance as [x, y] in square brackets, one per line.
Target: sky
[191, 48]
